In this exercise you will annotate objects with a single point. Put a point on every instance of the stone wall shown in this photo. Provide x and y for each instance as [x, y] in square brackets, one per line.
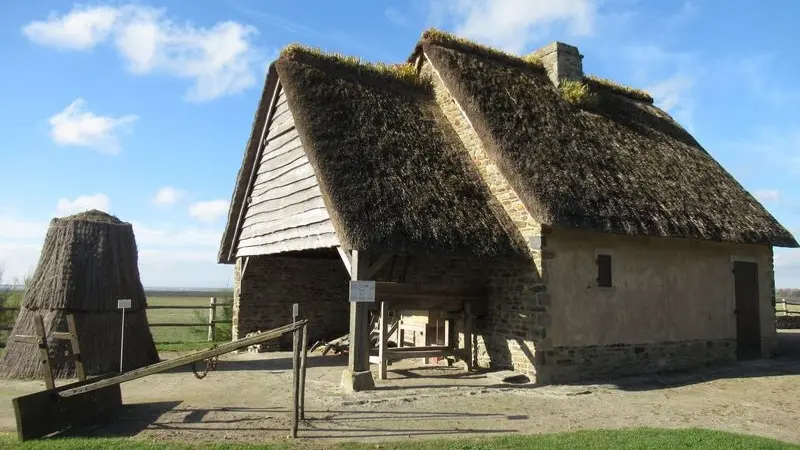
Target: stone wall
[562, 61]
[263, 299]
[518, 315]
[598, 362]
[788, 322]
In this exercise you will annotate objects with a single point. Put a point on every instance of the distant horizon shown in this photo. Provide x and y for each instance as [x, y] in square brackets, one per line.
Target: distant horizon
[147, 288]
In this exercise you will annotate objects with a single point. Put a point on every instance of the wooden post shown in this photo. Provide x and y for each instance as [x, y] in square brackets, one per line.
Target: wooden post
[303, 358]
[295, 372]
[212, 317]
[382, 341]
[44, 354]
[468, 334]
[76, 349]
[357, 376]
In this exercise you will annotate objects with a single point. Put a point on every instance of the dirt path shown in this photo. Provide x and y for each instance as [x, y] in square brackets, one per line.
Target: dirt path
[247, 399]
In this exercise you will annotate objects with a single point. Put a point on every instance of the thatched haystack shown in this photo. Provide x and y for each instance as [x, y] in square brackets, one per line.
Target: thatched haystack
[88, 262]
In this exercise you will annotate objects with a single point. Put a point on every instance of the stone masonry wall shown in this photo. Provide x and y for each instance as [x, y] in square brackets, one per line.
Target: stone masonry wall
[562, 62]
[515, 329]
[598, 362]
[518, 315]
[263, 299]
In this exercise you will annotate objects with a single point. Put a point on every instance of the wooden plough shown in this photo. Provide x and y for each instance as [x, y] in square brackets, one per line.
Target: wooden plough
[58, 408]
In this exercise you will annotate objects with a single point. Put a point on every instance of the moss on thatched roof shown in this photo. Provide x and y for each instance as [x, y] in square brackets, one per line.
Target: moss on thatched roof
[93, 215]
[394, 174]
[623, 166]
[405, 72]
[433, 36]
[595, 82]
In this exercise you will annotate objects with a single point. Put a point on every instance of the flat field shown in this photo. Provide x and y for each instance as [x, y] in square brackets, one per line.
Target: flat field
[185, 337]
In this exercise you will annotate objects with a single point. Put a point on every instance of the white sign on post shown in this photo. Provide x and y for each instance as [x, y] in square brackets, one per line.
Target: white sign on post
[362, 291]
[123, 304]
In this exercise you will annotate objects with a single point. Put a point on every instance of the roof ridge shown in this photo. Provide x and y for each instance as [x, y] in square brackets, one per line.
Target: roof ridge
[401, 74]
[435, 36]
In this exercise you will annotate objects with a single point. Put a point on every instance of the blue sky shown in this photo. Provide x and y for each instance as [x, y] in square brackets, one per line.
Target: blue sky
[143, 108]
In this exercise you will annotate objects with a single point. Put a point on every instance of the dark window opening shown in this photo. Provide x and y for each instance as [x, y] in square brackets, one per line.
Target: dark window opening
[604, 270]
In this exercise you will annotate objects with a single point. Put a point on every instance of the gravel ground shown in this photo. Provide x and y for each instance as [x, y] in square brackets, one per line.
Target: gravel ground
[248, 398]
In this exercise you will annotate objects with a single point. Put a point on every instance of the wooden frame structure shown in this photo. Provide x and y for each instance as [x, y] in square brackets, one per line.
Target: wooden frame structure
[453, 302]
[40, 339]
[58, 408]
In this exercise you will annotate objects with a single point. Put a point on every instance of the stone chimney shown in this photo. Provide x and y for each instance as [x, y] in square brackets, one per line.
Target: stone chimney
[562, 61]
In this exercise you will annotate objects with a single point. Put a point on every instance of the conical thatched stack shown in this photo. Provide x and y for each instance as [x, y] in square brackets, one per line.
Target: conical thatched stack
[88, 262]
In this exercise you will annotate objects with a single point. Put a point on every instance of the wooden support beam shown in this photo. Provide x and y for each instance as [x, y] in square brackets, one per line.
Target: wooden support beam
[401, 296]
[468, 336]
[295, 381]
[245, 263]
[359, 320]
[377, 265]
[357, 376]
[61, 335]
[44, 353]
[303, 361]
[382, 341]
[186, 359]
[75, 347]
[347, 260]
[27, 339]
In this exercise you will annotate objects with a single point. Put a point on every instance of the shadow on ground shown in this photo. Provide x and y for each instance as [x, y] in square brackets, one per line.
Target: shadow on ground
[273, 364]
[133, 419]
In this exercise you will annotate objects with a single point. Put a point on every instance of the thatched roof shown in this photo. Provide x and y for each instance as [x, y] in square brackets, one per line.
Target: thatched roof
[395, 178]
[393, 173]
[88, 262]
[616, 165]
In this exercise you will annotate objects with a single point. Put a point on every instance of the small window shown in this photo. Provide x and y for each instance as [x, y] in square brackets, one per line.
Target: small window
[604, 270]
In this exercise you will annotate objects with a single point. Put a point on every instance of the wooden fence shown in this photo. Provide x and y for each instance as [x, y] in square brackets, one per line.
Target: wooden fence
[787, 307]
[211, 323]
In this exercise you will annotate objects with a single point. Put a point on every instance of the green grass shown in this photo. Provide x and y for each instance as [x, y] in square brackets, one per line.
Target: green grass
[184, 338]
[629, 439]
[576, 92]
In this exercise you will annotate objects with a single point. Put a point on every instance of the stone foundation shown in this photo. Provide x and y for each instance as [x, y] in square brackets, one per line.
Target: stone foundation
[263, 298]
[787, 322]
[566, 364]
[517, 318]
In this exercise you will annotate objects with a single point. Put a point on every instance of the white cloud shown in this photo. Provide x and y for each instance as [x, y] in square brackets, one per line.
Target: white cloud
[396, 17]
[168, 236]
[219, 60]
[176, 256]
[787, 268]
[167, 196]
[15, 228]
[18, 259]
[209, 211]
[81, 29]
[767, 195]
[671, 92]
[74, 126]
[674, 94]
[83, 203]
[513, 24]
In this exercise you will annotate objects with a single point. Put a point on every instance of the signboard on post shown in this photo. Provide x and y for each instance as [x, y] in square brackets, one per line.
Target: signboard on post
[124, 303]
[362, 291]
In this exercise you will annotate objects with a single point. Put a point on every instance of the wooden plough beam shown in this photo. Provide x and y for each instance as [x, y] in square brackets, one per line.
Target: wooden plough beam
[52, 410]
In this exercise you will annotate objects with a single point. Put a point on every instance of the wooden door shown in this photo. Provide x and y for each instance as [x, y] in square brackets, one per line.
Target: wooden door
[748, 319]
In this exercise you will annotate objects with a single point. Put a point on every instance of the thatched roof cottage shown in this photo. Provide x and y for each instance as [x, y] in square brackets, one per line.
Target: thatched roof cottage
[604, 238]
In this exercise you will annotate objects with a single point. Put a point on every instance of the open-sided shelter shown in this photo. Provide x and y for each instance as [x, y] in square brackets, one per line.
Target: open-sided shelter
[600, 237]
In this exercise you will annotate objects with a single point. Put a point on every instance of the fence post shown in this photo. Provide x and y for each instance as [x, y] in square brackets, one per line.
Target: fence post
[212, 317]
